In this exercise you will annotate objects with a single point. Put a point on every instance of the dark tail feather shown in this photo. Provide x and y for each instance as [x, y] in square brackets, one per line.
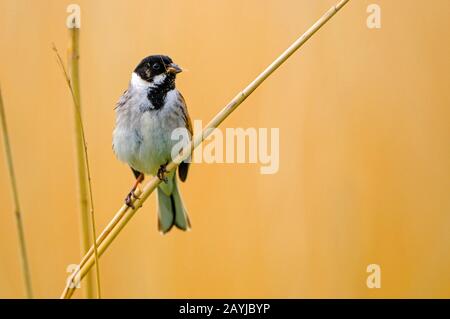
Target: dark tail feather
[171, 211]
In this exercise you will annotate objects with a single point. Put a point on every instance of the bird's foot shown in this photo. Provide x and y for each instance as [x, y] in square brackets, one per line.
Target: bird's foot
[131, 194]
[161, 174]
[129, 200]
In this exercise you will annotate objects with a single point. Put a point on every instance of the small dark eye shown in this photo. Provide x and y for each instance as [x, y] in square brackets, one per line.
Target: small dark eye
[156, 66]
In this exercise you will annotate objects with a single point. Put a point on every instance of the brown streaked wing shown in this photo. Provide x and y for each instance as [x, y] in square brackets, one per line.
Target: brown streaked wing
[183, 168]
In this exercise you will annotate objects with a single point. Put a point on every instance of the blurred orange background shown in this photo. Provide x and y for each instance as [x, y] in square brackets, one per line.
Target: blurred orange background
[364, 149]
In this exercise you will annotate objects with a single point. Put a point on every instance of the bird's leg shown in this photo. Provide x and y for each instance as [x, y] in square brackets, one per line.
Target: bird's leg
[162, 173]
[128, 199]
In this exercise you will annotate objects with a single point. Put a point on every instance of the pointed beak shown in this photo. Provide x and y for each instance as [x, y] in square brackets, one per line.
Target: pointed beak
[173, 68]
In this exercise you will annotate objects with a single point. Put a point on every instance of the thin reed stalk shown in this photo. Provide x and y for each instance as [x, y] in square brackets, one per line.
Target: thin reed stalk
[125, 213]
[84, 175]
[17, 210]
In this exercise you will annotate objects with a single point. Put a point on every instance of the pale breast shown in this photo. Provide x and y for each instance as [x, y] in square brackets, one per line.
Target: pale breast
[143, 138]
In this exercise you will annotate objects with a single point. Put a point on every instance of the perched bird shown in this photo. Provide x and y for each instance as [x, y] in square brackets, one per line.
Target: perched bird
[146, 114]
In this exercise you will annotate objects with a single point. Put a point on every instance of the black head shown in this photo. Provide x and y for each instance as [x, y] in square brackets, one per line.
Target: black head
[155, 65]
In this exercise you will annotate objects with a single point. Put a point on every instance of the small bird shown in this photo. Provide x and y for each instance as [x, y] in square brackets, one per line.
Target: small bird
[146, 114]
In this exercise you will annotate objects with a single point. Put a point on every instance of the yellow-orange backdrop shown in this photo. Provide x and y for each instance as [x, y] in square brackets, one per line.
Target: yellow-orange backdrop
[364, 148]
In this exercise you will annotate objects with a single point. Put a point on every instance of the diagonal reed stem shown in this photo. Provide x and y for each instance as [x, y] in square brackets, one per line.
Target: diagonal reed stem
[84, 173]
[125, 213]
[17, 210]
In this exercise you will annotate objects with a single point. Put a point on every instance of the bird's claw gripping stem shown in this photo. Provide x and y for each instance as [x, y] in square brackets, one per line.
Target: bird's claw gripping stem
[161, 174]
[129, 200]
[131, 194]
